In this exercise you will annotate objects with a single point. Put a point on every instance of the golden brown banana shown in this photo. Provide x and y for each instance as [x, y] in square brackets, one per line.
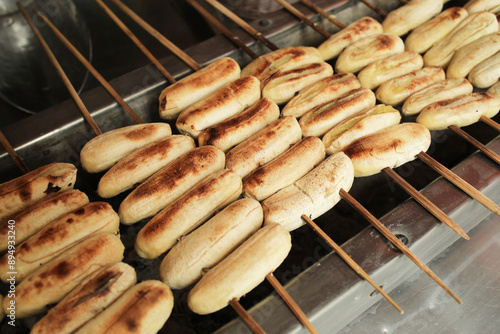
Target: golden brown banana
[87, 300]
[486, 73]
[470, 55]
[103, 151]
[37, 215]
[471, 28]
[263, 146]
[58, 236]
[142, 163]
[143, 309]
[196, 86]
[284, 169]
[375, 74]
[227, 101]
[281, 60]
[25, 190]
[210, 243]
[312, 195]
[361, 124]
[359, 29]
[422, 38]
[187, 212]
[397, 90]
[459, 111]
[241, 271]
[52, 281]
[236, 129]
[411, 15]
[368, 50]
[169, 183]
[391, 148]
[283, 85]
[320, 92]
[321, 119]
[441, 90]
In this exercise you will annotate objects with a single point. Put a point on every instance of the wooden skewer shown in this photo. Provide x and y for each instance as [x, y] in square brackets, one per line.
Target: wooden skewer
[89, 67]
[323, 13]
[388, 234]
[349, 261]
[291, 303]
[60, 72]
[155, 33]
[490, 122]
[13, 154]
[302, 17]
[254, 326]
[248, 28]
[374, 8]
[137, 42]
[226, 32]
[425, 202]
[460, 183]
[490, 153]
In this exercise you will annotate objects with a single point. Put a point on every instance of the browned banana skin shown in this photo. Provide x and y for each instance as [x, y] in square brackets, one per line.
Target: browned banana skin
[87, 300]
[391, 148]
[236, 129]
[33, 186]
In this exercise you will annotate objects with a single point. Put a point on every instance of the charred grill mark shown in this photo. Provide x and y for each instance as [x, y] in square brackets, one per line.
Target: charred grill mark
[220, 98]
[64, 269]
[26, 193]
[302, 69]
[61, 270]
[349, 100]
[163, 102]
[384, 42]
[263, 67]
[96, 207]
[454, 14]
[144, 132]
[203, 189]
[133, 322]
[192, 163]
[363, 25]
[268, 61]
[216, 132]
[206, 76]
[100, 286]
[357, 150]
[158, 150]
[204, 80]
[268, 78]
[80, 211]
[51, 187]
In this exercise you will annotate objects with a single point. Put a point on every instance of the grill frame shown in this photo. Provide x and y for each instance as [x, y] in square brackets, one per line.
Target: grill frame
[59, 132]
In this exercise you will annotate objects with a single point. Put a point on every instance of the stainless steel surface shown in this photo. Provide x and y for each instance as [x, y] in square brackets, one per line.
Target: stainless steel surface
[330, 292]
[27, 79]
[10, 6]
[471, 267]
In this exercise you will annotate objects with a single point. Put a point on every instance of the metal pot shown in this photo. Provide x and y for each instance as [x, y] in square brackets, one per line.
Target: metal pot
[28, 81]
